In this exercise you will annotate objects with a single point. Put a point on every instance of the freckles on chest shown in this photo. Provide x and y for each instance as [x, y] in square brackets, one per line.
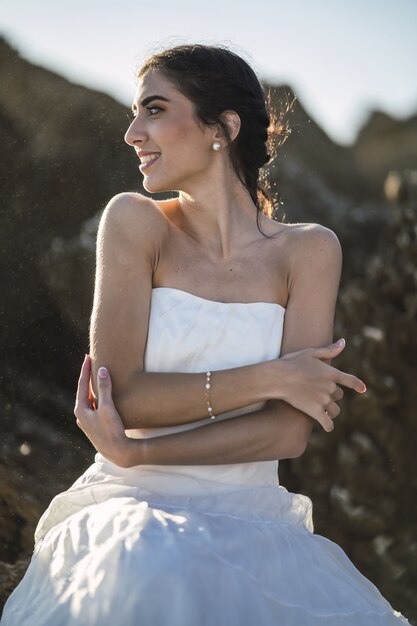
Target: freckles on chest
[198, 270]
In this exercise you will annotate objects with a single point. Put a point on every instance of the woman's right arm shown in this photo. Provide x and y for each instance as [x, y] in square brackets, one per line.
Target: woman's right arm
[129, 239]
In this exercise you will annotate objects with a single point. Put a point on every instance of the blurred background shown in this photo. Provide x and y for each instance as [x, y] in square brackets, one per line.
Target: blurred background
[67, 75]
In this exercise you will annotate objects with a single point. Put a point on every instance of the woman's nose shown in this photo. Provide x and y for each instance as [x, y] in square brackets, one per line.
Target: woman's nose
[135, 133]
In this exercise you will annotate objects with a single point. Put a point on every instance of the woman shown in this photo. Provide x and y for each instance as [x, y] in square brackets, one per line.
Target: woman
[181, 520]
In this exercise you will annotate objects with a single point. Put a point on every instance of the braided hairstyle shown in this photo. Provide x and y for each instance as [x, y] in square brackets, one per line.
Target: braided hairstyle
[216, 79]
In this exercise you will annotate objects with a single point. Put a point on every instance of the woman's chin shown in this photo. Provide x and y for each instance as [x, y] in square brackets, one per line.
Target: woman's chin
[152, 186]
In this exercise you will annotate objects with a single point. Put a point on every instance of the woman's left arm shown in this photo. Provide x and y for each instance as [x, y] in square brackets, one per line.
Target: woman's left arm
[271, 433]
[278, 430]
[256, 436]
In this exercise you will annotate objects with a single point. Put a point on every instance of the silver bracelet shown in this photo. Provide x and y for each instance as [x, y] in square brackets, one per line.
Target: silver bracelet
[207, 393]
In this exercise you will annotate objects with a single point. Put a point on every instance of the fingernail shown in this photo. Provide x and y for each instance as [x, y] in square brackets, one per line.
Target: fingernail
[102, 372]
[340, 342]
[363, 388]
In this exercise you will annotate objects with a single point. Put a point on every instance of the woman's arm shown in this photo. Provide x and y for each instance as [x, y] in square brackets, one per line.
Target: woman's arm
[279, 430]
[130, 234]
[262, 435]
[256, 436]
[315, 267]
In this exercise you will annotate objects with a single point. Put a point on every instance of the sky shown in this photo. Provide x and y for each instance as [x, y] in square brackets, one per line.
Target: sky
[342, 58]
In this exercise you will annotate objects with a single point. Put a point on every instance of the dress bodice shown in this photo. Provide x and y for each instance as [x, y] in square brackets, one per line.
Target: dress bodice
[191, 334]
[187, 333]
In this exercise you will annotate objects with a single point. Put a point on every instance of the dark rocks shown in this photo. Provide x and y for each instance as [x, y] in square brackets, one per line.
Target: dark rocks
[385, 144]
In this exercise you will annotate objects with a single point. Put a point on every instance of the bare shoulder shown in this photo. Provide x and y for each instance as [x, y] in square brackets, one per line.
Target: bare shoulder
[309, 241]
[135, 211]
[133, 217]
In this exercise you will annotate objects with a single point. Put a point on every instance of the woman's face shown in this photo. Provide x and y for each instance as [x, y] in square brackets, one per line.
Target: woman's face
[174, 149]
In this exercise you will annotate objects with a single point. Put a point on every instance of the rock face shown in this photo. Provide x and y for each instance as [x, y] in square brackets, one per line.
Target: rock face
[385, 144]
[63, 158]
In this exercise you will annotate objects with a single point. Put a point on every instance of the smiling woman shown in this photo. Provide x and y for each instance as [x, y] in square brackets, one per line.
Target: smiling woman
[228, 94]
[169, 140]
[211, 343]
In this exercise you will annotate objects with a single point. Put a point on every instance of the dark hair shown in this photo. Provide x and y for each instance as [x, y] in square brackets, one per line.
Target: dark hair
[216, 79]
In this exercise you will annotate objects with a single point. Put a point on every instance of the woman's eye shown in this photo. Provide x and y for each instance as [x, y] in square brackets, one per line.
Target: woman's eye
[150, 109]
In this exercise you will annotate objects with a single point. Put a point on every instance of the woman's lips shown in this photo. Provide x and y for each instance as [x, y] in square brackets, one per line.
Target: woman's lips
[148, 163]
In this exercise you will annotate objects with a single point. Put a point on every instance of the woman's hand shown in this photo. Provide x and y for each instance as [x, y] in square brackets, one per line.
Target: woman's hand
[312, 386]
[99, 419]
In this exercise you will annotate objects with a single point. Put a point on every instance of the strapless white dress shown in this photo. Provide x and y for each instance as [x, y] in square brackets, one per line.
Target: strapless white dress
[208, 545]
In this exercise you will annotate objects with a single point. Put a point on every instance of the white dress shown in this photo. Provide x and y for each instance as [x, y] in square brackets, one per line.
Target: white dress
[209, 545]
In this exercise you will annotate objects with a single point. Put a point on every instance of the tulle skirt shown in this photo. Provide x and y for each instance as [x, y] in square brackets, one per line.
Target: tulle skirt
[157, 545]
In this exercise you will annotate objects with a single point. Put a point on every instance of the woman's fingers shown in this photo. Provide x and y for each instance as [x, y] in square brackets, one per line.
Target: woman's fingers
[347, 380]
[351, 381]
[324, 420]
[330, 351]
[319, 386]
[102, 426]
[337, 394]
[81, 398]
[104, 387]
[326, 416]
[91, 395]
[333, 410]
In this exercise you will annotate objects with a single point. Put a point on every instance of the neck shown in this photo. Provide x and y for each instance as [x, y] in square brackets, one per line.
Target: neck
[220, 218]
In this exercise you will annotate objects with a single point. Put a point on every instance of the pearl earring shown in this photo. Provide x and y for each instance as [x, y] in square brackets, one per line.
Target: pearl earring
[216, 146]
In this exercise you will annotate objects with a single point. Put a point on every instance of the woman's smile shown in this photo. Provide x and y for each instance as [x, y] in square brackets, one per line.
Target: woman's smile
[148, 160]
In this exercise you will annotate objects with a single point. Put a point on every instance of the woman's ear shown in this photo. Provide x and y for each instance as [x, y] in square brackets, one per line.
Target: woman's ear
[232, 120]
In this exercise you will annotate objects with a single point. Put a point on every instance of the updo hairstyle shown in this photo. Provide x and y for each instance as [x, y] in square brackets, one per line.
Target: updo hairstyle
[216, 79]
